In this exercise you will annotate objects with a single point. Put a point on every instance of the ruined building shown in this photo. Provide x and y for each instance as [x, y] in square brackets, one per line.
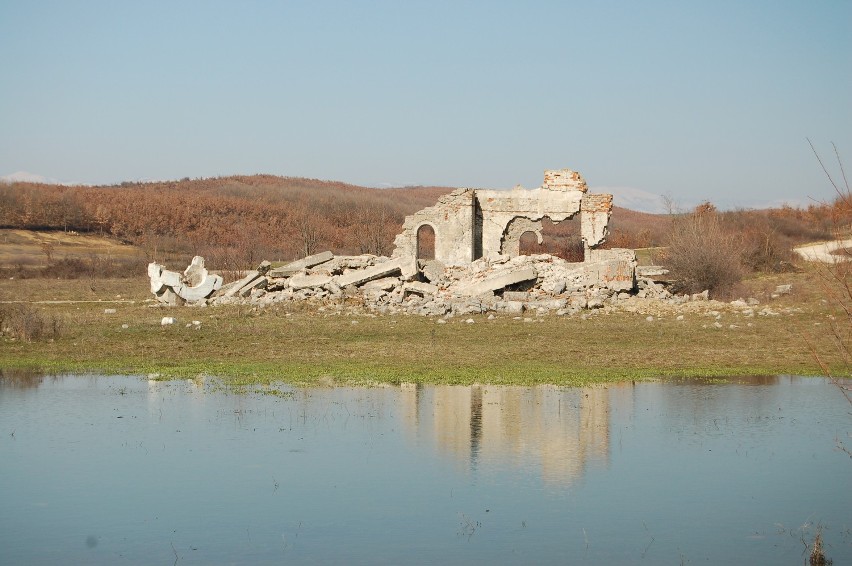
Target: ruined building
[476, 266]
[470, 224]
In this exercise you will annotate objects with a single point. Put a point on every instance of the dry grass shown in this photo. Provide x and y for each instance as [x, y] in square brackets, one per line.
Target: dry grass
[301, 345]
[30, 247]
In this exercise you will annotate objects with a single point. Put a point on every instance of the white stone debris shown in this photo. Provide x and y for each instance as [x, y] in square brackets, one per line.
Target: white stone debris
[172, 288]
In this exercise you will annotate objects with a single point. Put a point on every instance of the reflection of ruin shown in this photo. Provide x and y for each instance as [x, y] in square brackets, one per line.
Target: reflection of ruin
[559, 431]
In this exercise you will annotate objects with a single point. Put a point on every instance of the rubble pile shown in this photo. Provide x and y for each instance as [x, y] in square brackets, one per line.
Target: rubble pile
[541, 283]
[477, 267]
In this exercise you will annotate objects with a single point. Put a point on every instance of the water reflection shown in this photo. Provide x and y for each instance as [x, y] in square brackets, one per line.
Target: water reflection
[557, 431]
[105, 470]
[21, 378]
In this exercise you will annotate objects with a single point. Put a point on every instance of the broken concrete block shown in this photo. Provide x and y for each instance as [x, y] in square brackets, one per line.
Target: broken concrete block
[499, 281]
[169, 297]
[385, 283]
[333, 288]
[264, 267]
[433, 270]
[225, 288]
[420, 288]
[303, 281]
[409, 269]
[256, 283]
[161, 278]
[554, 286]
[194, 284]
[204, 289]
[305, 263]
[361, 276]
[514, 307]
[195, 272]
[238, 285]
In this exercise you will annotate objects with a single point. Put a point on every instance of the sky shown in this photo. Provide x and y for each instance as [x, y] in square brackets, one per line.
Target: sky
[691, 100]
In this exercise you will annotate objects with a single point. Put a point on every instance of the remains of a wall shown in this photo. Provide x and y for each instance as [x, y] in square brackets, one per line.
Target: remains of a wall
[453, 222]
[500, 208]
[474, 223]
[511, 245]
[594, 219]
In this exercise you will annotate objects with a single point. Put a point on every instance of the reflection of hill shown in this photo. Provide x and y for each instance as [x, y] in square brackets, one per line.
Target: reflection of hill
[554, 430]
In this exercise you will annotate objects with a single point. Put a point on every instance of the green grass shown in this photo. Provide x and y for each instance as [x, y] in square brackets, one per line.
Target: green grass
[245, 346]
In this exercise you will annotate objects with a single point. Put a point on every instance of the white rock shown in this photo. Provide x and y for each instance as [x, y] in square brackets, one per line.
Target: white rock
[167, 320]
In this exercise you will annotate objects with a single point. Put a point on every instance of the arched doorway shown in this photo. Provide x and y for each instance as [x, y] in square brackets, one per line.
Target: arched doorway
[426, 242]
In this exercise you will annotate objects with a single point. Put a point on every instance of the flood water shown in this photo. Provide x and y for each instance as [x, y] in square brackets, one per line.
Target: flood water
[114, 470]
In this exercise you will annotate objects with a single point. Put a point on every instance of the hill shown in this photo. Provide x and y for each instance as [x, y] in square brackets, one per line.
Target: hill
[234, 221]
[237, 221]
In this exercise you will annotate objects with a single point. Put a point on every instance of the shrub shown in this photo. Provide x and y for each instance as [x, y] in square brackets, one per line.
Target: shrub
[702, 253]
[23, 322]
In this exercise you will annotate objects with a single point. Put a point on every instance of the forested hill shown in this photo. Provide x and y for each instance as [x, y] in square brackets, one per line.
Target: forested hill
[237, 221]
[232, 219]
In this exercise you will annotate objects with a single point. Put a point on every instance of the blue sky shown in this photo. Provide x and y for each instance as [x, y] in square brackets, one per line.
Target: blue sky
[695, 100]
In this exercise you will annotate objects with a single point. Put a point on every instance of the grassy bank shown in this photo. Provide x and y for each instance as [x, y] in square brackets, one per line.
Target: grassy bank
[321, 347]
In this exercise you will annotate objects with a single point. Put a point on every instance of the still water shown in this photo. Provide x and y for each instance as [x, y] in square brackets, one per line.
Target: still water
[114, 470]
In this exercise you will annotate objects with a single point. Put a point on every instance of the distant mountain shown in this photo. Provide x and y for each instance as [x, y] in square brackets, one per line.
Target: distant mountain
[634, 199]
[27, 177]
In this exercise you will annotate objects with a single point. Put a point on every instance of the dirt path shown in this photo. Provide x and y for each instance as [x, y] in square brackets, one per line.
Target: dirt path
[823, 251]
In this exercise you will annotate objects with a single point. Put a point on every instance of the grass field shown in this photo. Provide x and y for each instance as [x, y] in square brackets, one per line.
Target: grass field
[331, 346]
[32, 248]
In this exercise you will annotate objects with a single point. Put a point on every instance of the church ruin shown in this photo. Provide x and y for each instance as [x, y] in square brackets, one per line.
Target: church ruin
[470, 224]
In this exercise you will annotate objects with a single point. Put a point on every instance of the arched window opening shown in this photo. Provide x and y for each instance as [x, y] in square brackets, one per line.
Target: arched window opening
[426, 242]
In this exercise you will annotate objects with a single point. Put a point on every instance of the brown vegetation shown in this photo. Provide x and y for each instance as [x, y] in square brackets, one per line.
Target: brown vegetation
[235, 222]
[21, 321]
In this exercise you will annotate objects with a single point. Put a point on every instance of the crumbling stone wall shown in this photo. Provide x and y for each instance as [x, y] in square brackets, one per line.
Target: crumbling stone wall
[594, 219]
[517, 227]
[474, 223]
[452, 219]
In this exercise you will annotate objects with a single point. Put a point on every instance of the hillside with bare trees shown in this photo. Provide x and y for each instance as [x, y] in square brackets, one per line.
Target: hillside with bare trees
[238, 221]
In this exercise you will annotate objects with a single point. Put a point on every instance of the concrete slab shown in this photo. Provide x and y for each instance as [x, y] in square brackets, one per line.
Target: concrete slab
[305, 281]
[420, 288]
[256, 283]
[499, 281]
[295, 267]
[361, 276]
[247, 280]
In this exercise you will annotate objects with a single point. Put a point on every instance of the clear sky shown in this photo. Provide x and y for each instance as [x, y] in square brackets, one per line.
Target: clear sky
[695, 100]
